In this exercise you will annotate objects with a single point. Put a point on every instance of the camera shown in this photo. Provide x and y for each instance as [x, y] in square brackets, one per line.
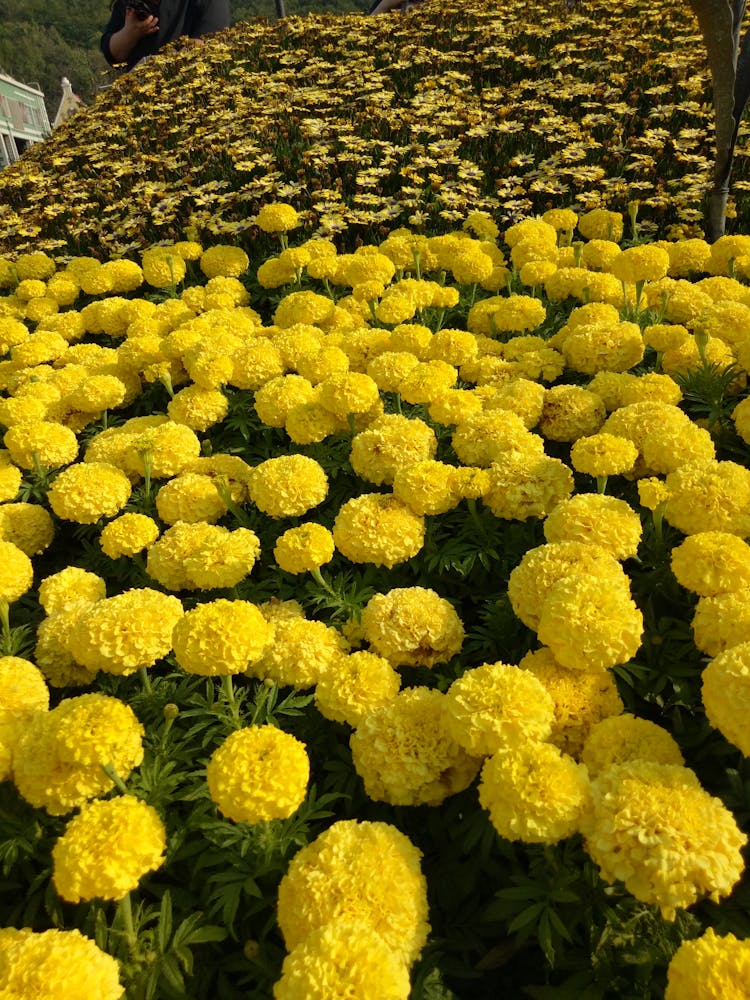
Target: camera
[144, 8]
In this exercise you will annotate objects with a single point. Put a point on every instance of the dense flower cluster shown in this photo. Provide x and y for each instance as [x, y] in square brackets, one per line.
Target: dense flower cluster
[63, 965]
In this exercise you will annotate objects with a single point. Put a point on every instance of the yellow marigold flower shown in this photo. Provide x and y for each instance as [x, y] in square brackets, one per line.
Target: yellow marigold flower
[588, 628]
[221, 560]
[258, 774]
[167, 447]
[349, 392]
[603, 454]
[302, 549]
[621, 739]
[534, 793]
[482, 225]
[655, 829]
[506, 314]
[97, 393]
[539, 229]
[126, 274]
[300, 654]
[603, 347]
[48, 444]
[390, 443]
[455, 347]
[495, 706]
[483, 438]
[278, 217]
[727, 248]
[224, 261]
[741, 418]
[59, 759]
[162, 268]
[16, 572]
[128, 535]
[520, 486]
[571, 412]
[36, 265]
[561, 219]
[649, 387]
[355, 685]
[687, 357]
[580, 699]
[601, 224]
[709, 968]
[324, 884]
[322, 364]
[279, 396]
[10, 478]
[599, 255]
[542, 567]
[726, 694]
[303, 307]
[722, 621]
[519, 395]
[343, 956]
[88, 491]
[71, 585]
[166, 557]
[27, 526]
[220, 637]
[378, 528]
[412, 338]
[198, 408]
[24, 694]
[688, 257]
[646, 262]
[405, 754]
[427, 381]
[593, 517]
[469, 265]
[412, 626]
[288, 486]
[674, 446]
[60, 964]
[190, 497]
[127, 632]
[255, 363]
[52, 649]
[714, 496]
[107, 849]
[711, 563]
[427, 487]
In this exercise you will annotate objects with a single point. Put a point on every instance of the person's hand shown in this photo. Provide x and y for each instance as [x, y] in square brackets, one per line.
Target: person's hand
[139, 27]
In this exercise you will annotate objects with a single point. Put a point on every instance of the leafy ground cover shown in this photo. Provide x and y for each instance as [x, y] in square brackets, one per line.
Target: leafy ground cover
[374, 588]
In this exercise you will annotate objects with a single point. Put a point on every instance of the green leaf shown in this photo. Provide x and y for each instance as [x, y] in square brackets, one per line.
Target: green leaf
[164, 928]
[527, 916]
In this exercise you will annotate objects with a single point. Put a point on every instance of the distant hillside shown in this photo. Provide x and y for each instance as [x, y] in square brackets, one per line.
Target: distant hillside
[42, 41]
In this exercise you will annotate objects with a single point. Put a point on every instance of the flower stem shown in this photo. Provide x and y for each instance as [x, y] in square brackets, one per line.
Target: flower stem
[601, 484]
[145, 681]
[115, 777]
[321, 580]
[228, 688]
[125, 908]
[5, 621]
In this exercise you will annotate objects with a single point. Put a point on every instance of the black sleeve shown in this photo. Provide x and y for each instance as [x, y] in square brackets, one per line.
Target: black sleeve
[212, 15]
[116, 22]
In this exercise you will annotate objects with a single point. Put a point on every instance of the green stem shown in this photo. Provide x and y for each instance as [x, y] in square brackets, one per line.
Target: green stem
[115, 777]
[5, 620]
[125, 908]
[474, 512]
[601, 484]
[321, 581]
[398, 402]
[228, 688]
[145, 680]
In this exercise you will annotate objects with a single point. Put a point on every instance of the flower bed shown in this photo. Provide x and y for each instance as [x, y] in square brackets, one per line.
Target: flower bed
[373, 610]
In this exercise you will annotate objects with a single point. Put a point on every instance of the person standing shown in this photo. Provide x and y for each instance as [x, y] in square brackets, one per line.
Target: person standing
[139, 28]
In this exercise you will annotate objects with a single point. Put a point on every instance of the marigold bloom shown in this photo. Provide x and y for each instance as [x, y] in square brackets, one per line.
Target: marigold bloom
[128, 535]
[277, 217]
[495, 706]
[70, 586]
[621, 739]
[603, 454]
[16, 572]
[59, 758]
[580, 699]
[24, 694]
[288, 486]
[482, 439]
[224, 261]
[601, 224]
[343, 956]
[88, 491]
[711, 563]
[405, 753]
[709, 968]
[220, 637]
[389, 444]
[377, 528]
[355, 685]
[542, 567]
[302, 549]
[63, 965]
[300, 653]
[26, 525]
[655, 829]
[588, 627]
[324, 883]
[520, 486]
[190, 497]
[107, 849]
[202, 556]
[570, 412]
[427, 487]
[726, 694]
[258, 774]
[714, 496]
[127, 632]
[598, 519]
[412, 626]
[51, 445]
[534, 793]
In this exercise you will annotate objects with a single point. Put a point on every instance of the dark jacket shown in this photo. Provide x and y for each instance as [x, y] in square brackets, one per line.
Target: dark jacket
[176, 18]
